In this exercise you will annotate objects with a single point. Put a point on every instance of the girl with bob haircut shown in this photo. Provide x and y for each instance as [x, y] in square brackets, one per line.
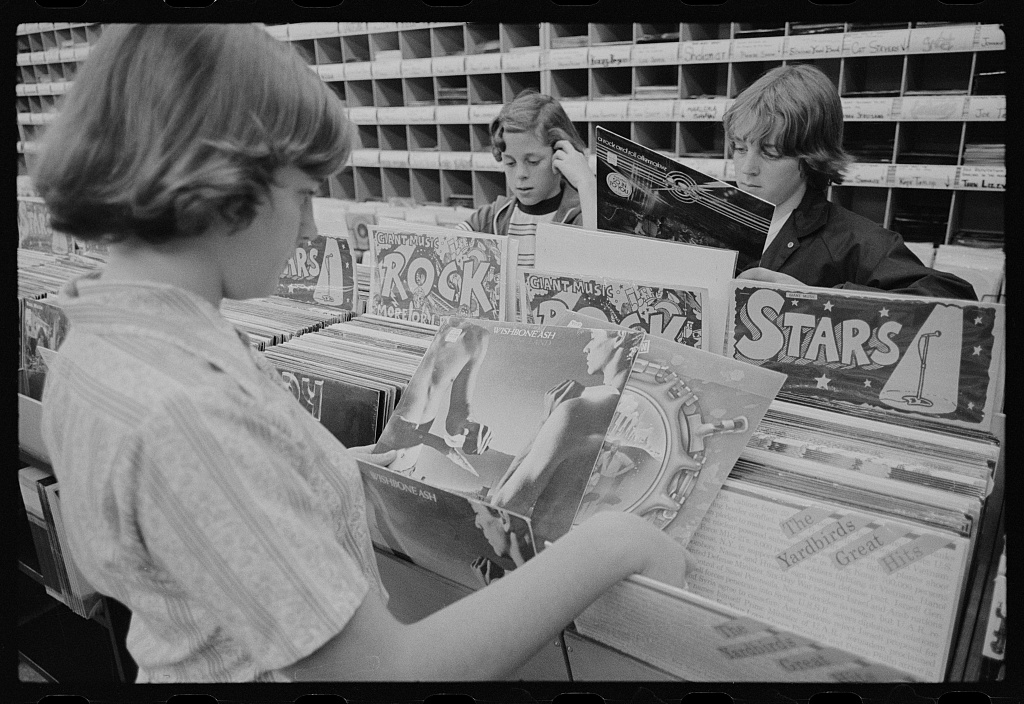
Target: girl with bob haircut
[786, 133]
[546, 172]
[198, 492]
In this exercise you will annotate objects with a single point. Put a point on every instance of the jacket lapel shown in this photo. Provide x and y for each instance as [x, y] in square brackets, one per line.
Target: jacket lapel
[807, 219]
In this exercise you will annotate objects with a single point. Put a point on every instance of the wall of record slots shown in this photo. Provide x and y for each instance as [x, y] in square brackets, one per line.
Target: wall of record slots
[925, 102]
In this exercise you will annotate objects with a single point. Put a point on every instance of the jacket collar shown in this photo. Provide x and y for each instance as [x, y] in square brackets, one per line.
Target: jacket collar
[808, 217]
[568, 209]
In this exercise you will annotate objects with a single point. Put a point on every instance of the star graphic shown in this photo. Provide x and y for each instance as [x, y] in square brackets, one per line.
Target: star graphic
[828, 306]
[884, 313]
[867, 383]
[795, 301]
[822, 381]
[978, 320]
[970, 405]
[977, 350]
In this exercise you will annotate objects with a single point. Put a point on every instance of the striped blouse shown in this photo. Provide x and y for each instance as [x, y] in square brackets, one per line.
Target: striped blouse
[197, 491]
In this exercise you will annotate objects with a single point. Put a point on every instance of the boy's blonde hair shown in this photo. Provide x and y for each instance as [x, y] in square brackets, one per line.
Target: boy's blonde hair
[170, 128]
[531, 111]
[797, 110]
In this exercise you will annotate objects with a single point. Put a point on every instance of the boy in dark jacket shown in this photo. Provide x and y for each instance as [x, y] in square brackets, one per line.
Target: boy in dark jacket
[786, 132]
[545, 169]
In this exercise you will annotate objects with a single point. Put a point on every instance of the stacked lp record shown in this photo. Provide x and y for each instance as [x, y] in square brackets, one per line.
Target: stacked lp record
[349, 375]
[271, 321]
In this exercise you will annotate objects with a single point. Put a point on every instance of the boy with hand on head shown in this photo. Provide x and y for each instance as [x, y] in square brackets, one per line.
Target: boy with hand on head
[545, 169]
[786, 132]
[197, 490]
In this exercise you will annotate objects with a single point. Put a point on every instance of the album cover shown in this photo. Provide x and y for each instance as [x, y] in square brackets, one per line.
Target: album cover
[449, 533]
[512, 413]
[675, 313]
[422, 274]
[643, 192]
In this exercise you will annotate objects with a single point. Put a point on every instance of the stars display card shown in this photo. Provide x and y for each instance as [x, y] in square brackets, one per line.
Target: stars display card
[321, 272]
[902, 358]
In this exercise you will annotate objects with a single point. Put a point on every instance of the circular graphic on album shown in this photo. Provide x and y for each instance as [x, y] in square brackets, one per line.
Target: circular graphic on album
[619, 185]
[634, 460]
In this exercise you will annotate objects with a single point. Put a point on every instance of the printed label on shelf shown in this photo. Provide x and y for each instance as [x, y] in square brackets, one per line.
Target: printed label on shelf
[419, 114]
[394, 158]
[38, 57]
[331, 72]
[358, 71]
[352, 27]
[989, 37]
[26, 118]
[925, 176]
[925, 40]
[33, 88]
[391, 116]
[66, 53]
[576, 110]
[448, 65]
[659, 53]
[986, 107]
[883, 42]
[814, 46]
[758, 48]
[982, 178]
[414, 68]
[391, 68]
[381, 26]
[424, 159]
[867, 175]
[607, 109]
[932, 107]
[483, 63]
[703, 109]
[652, 110]
[456, 161]
[366, 157]
[413, 25]
[52, 56]
[484, 113]
[574, 57]
[485, 161]
[452, 114]
[611, 56]
[22, 88]
[521, 61]
[866, 109]
[24, 59]
[363, 116]
[707, 51]
[312, 30]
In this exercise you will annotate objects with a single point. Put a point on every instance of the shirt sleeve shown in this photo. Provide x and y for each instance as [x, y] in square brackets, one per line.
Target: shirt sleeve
[227, 510]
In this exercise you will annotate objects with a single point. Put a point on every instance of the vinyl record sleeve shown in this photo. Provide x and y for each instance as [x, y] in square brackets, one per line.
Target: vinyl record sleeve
[643, 192]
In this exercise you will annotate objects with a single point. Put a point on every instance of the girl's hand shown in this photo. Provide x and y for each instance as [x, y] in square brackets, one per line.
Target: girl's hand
[572, 164]
[366, 454]
[759, 273]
